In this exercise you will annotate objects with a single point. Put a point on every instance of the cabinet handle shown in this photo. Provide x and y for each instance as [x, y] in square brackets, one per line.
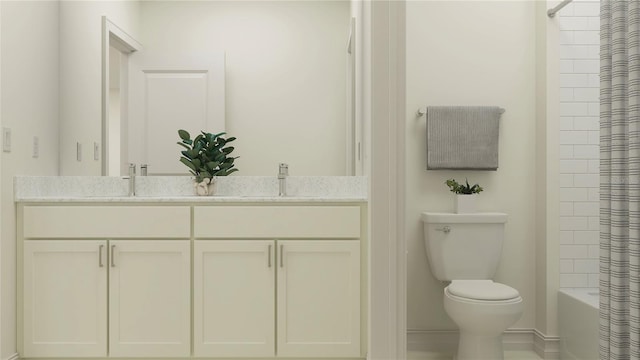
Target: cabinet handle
[269, 256]
[100, 256]
[281, 255]
[113, 263]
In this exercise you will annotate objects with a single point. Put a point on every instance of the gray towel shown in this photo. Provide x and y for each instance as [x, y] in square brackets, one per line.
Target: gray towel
[462, 137]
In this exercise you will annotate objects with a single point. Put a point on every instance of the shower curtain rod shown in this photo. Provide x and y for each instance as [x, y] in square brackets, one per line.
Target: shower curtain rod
[552, 12]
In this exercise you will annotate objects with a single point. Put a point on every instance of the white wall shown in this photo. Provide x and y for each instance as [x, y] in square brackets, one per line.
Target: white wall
[285, 75]
[472, 53]
[29, 74]
[579, 143]
[81, 76]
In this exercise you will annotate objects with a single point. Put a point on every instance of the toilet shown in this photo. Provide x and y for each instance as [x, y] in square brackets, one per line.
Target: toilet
[464, 250]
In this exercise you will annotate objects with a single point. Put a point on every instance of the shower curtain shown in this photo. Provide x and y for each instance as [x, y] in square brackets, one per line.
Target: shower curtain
[620, 179]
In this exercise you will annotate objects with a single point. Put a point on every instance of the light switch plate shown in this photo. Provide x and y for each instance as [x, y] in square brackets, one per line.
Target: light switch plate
[96, 151]
[6, 139]
[78, 151]
[36, 147]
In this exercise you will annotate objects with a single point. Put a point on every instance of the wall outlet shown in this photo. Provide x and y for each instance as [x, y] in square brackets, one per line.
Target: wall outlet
[78, 151]
[36, 147]
[96, 151]
[6, 140]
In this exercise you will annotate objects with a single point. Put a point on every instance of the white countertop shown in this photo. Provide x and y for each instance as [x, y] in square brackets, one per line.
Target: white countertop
[191, 199]
[179, 189]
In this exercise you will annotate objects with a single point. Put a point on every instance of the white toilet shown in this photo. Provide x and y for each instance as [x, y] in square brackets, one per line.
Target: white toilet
[465, 249]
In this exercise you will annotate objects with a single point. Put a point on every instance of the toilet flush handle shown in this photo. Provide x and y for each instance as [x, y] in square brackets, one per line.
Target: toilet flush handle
[445, 229]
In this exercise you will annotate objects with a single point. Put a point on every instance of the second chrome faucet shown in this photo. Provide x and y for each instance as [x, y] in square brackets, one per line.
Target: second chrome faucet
[132, 179]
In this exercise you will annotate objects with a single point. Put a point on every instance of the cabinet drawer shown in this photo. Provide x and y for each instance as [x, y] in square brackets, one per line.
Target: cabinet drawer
[277, 222]
[106, 222]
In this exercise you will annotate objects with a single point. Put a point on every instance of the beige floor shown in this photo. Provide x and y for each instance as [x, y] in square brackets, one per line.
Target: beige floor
[508, 355]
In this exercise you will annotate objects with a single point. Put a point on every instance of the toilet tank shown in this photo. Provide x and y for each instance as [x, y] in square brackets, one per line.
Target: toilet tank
[463, 246]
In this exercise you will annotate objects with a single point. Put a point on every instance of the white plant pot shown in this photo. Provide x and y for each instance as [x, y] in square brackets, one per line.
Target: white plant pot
[465, 204]
[205, 187]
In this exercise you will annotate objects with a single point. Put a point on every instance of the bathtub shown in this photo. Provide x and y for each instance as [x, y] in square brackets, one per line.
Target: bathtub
[578, 324]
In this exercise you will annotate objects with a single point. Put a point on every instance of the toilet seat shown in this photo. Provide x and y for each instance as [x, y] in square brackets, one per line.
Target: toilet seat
[481, 290]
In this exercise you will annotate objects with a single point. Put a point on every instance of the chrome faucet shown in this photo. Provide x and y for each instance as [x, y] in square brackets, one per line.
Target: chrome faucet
[132, 179]
[283, 172]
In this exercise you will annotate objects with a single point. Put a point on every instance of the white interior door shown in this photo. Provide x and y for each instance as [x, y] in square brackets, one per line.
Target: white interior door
[150, 298]
[169, 92]
[65, 299]
[234, 298]
[318, 298]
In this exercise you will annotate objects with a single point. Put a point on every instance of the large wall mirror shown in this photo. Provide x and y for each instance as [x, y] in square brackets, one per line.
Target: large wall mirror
[90, 86]
[280, 76]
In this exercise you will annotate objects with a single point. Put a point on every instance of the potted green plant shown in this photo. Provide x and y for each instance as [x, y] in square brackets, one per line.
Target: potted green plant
[207, 156]
[465, 199]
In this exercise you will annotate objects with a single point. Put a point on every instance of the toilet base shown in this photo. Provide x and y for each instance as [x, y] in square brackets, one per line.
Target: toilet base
[476, 347]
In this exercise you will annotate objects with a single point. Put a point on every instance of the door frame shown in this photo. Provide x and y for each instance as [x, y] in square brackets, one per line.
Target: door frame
[113, 35]
[2, 295]
[388, 260]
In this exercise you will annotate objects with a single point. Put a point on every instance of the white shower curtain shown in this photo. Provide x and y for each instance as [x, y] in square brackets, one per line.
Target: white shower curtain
[620, 179]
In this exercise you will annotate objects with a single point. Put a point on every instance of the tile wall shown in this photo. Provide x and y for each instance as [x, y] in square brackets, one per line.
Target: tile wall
[579, 138]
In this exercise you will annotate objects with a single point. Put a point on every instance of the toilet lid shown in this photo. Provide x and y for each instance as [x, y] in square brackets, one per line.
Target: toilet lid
[482, 290]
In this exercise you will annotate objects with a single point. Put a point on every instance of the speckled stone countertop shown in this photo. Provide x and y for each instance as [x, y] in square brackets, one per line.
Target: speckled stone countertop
[180, 189]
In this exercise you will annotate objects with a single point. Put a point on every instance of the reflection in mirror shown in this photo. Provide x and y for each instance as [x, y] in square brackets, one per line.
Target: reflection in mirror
[278, 75]
[114, 160]
[117, 48]
[291, 89]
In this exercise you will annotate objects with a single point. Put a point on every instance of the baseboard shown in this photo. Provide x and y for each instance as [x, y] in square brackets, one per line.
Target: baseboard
[13, 357]
[547, 347]
[441, 341]
[446, 341]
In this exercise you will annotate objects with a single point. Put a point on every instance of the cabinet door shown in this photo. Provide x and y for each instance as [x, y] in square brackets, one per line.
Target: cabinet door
[149, 298]
[318, 298]
[64, 298]
[234, 291]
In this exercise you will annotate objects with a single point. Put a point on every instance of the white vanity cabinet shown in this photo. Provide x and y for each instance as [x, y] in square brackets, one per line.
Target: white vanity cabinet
[219, 280]
[234, 298]
[149, 298]
[317, 311]
[65, 298]
[318, 298]
[127, 283]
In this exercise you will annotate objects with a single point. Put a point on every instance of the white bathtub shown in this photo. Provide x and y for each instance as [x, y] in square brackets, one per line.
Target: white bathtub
[578, 324]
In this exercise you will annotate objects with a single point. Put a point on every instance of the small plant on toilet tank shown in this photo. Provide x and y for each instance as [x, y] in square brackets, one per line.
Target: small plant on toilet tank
[206, 156]
[465, 199]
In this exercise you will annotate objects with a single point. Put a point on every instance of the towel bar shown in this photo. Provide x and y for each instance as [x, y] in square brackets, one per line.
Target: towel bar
[423, 111]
